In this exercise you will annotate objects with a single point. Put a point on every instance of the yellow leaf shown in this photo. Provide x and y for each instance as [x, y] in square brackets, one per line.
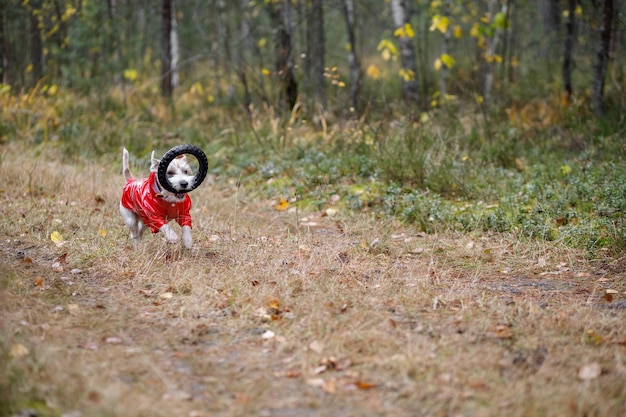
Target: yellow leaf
[130, 74]
[405, 31]
[448, 60]
[440, 23]
[373, 72]
[341, 84]
[437, 64]
[18, 351]
[409, 30]
[102, 232]
[566, 169]
[457, 31]
[265, 71]
[262, 42]
[579, 11]
[407, 75]
[282, 205]
[475, 30]
[52, 90]
[56, 237]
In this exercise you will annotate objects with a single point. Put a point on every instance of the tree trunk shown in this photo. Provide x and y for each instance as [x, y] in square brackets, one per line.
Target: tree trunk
[401, 16]
[281, 17]
[166, 49]
[36, 48]
[354, 65]
[490, 52]
[117, 54]
[4, 53]
[443, 90]
[602, 57]
[315, 53]
[570, 36]
[175, 48]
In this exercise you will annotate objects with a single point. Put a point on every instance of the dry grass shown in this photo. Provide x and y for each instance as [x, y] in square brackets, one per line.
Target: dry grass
[290, 314]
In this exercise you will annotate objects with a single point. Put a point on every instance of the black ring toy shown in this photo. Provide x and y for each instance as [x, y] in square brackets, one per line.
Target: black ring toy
[176, 151]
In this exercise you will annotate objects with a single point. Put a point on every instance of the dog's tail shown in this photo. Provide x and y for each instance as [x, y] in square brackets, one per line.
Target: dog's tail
[125, 168]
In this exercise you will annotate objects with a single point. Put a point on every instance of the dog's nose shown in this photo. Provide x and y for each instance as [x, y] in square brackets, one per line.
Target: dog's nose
[184, 184]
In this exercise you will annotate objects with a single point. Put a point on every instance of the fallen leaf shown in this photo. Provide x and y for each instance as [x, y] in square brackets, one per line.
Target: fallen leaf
[590, 371]
[268, 335]
[113, 340]
[282, 205]
[593, 338]
[166, 295]
[57, 238]
[39, 281]
[504, 331]
[18, 351]
[102, 232]
[289, 373]
[363, 385]
[316, 346]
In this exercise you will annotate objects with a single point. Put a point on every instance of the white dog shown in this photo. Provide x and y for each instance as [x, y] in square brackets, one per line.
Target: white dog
[146, 204]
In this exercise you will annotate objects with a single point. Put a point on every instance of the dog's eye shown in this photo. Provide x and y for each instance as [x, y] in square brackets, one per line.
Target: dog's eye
[187, 172]
[170, 173]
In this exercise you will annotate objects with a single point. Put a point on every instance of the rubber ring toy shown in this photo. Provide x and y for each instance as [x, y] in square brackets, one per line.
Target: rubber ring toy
[176, 151]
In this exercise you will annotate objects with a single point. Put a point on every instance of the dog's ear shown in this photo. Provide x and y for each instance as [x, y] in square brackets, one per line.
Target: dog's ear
[182, 157]
[155, 163]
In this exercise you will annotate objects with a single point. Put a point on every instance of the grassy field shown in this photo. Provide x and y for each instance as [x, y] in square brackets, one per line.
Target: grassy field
[446, 263]
[291, 310]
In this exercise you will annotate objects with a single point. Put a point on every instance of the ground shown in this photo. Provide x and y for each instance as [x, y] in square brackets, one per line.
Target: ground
[290, 313]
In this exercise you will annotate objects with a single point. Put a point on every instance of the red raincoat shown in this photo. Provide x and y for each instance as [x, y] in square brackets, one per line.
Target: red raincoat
[143, 197]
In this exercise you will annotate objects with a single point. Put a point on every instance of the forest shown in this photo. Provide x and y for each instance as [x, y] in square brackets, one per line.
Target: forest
[411, 208]
[324, 55]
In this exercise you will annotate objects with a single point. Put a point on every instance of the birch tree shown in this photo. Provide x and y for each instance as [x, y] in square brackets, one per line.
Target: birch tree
[166, 49]
[401, 18]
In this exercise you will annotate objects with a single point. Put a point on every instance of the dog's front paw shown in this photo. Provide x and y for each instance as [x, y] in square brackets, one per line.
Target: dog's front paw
[169, 235]
[187, 239]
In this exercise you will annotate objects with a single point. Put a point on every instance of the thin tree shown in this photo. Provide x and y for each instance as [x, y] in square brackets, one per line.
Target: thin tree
[4, 53]
[166, 49]
[315, 53]
[401, 16]
[281, 18]
[36, 45]
[602, 57]
[175, 47]
[354, 65]
[570, 36]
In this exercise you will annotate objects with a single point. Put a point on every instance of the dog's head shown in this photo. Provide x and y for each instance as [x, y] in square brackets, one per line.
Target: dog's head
[179, 174]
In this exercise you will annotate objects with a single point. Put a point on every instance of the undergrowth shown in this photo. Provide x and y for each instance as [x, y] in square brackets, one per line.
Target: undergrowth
[557, 175]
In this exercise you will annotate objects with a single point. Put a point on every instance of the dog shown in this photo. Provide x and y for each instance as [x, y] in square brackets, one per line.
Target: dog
[145, 203]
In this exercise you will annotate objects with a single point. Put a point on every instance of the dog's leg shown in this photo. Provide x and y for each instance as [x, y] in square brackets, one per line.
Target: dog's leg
[186, 236]
[133, 222]
[169, 234]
